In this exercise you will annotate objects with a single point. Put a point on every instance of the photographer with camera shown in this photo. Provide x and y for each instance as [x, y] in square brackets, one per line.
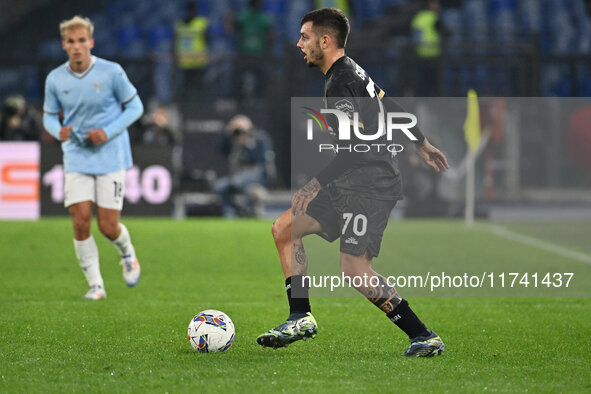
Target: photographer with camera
[251, 162]
[19, 121]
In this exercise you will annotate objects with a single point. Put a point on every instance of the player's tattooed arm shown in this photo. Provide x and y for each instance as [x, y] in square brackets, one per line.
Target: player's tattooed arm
[303, 196]
[383, 296]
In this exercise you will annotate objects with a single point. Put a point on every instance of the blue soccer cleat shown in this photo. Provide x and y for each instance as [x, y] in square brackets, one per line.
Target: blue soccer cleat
[427, 346]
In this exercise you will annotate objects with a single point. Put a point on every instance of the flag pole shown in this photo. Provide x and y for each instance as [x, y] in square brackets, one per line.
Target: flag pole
[469, 208]
[472, 136]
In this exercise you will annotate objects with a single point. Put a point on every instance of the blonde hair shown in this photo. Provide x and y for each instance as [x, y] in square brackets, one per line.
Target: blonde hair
[76, 22]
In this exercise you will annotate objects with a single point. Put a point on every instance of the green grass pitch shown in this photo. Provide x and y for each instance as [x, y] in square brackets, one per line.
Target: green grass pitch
[135, 340]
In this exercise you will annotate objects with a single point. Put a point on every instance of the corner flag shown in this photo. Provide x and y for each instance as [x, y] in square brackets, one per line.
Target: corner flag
[472, 123]
[472, 137]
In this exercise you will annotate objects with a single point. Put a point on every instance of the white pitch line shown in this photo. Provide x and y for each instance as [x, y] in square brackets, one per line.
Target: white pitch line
[526, 240]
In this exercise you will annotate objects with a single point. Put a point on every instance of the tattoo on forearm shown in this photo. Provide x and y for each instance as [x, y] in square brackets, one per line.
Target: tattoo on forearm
[312, 186]
[308, 190]
[304, 195]
[383, 296]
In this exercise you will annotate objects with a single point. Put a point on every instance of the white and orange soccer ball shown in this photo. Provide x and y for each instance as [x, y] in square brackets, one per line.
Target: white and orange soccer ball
[211, 331]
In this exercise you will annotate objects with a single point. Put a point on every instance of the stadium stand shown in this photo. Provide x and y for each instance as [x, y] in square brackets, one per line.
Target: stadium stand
[555, 30]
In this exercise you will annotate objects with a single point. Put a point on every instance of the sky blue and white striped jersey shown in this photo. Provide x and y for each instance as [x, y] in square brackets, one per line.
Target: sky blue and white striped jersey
[91, 100]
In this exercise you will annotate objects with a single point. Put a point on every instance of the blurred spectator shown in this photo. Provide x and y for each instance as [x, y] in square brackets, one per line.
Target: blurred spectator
[251, 168]
[191, 46]
[254, 30]
[219, 78]
[427, 30]
[161, 125]
[427, 27]
[19, 121]
[578, 139]
[161, 43]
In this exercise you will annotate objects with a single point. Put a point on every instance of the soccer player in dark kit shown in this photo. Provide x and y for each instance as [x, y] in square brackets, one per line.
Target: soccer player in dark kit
[351, 198]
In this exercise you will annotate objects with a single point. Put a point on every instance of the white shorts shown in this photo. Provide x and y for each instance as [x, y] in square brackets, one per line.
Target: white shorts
[106, 190]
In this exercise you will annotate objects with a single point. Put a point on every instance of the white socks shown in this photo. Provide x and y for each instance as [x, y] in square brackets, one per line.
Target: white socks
[123, 244]
[88, 257]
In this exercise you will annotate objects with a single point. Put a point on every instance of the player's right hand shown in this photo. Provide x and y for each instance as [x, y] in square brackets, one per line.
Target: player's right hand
[301, 199]
[65, 132]
[432, 156]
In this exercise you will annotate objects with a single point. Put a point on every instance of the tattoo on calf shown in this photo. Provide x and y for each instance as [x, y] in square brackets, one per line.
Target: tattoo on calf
[300, 254]
[383, 296]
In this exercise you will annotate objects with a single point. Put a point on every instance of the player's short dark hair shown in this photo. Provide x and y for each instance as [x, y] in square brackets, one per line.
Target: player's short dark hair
[330, 20]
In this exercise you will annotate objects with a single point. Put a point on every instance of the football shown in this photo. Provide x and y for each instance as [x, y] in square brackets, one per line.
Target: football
[211, 331]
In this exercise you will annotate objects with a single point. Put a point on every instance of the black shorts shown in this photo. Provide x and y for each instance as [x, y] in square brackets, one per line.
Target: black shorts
[358, 220]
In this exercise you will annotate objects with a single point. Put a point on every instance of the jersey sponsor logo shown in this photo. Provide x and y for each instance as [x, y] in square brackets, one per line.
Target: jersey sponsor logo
[66, 91]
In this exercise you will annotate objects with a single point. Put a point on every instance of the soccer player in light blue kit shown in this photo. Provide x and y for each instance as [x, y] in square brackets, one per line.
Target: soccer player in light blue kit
[98, 104]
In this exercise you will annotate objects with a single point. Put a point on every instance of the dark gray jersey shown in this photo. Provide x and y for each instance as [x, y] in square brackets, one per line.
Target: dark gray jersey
[373, 173]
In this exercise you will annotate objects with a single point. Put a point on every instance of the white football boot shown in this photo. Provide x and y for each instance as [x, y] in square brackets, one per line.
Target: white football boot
[96, 292]
[131, 270]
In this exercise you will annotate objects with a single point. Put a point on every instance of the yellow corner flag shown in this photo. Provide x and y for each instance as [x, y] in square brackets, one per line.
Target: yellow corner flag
[472, 123]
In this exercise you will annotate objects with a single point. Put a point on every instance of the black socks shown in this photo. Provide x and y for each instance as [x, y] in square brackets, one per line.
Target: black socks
[407, 321]
[298, 296]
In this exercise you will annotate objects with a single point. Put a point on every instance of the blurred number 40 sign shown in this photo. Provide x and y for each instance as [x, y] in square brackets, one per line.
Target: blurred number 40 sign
[148, 184]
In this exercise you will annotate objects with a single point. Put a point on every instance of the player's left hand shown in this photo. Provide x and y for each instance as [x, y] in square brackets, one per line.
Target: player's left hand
[302, 197]
[432, 156]
[96, 136]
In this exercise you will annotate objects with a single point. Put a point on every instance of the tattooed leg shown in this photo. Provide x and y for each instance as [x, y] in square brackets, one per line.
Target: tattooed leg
[299, 257]
[383, 296]
[288, 231]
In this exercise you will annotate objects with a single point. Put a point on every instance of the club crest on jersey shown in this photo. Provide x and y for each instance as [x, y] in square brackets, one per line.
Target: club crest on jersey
[345, 106]
[97, 86]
